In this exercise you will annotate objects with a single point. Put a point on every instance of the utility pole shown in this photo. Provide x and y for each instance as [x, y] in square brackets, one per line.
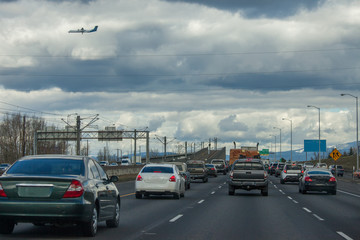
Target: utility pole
[78, 135]
[134, 146]
[23, 135]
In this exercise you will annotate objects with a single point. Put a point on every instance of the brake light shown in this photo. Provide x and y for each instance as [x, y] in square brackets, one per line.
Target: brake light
[75, 190]
[2, 192]
[302, 171]
[284, 171]
[332, 179]
[139, 178]
[172, 178]
[308, 179]
[213, 169]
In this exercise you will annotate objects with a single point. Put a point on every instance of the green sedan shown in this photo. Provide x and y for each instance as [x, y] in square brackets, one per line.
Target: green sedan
[58, 189]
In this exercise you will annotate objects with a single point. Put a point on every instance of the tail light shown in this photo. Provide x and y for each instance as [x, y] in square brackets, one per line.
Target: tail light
[284, 171]
[2, 192]
[172, 178]
[332, 179]
[139, 178]
[75, 190]
[308, 179]
[231, 174]
[302, 171]
[213, 169]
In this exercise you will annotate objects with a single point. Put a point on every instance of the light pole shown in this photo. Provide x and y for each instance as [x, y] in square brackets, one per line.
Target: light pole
[275, 147]
[319, 129]
[357, 129]
[290, 134]
[280, 139]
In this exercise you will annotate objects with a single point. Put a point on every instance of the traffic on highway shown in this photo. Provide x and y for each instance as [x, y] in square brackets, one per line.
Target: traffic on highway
[213, 210]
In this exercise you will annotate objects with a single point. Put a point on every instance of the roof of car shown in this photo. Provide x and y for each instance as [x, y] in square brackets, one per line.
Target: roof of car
[53, 156]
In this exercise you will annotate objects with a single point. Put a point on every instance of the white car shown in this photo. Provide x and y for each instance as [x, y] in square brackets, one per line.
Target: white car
[321, 165]
[159, 179]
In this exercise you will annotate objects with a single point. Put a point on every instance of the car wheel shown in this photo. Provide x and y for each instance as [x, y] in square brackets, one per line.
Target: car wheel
[90, 228]
[176, 196]
[188, 186]
[231, 190]
[265, 192]
[282, 181]
[333, 192]
[224, 173]
[113, 223]
[6, 227]
[138, 195]
[182, 194]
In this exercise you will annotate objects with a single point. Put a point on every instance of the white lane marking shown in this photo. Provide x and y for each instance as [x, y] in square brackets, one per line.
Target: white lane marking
[306, 209]
[351, 194]
[344, 235]
[295, 201]
[201, 201]
[319, 218]
[176, 218]
[289, 197]
[281, 191]
[275, 186]
[224, 182]
[220, 186]
[213, 193]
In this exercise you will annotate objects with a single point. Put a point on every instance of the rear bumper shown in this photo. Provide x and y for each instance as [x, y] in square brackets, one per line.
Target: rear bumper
[320, 187]
[47, 212]
[291, 178]
[248, 185]
[201, 176]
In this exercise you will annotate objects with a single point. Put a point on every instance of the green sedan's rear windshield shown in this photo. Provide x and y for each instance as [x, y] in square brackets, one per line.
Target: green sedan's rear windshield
[155, 169]
[248, 166]
[48, 167]
[318, 173]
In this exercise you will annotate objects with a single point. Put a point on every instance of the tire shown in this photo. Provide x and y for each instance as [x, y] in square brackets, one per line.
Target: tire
[90, 228]
[282, 181]
[231, 190]
[176, 196]
[224, 173]
[114, 222]
[333, 192]
[188, 186]
[265, 192]
[138, 195]
[6, 227]
[182, 194]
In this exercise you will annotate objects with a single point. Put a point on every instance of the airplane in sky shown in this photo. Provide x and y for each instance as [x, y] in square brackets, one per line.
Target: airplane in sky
[82, 30]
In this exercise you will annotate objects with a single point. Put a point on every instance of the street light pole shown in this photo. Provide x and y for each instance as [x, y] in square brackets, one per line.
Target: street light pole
[290, 134]
[280, 139]
[357, 129]
[275, 147]
[319, 129]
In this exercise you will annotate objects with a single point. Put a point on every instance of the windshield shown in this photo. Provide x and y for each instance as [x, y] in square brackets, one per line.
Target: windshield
[48, 167]
[248, 166]
[157, 169]
[195, 165]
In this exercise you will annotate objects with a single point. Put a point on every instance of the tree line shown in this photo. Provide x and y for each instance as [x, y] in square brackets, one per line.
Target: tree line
[17, 135]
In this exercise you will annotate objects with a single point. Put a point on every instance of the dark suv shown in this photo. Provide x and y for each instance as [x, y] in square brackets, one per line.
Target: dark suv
[220, 165]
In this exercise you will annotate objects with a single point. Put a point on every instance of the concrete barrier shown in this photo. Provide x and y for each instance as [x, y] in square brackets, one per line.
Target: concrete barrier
[125, 173]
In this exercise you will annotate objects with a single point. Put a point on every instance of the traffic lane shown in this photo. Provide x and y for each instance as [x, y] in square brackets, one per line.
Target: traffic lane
[140, 216]
[246, 215]
[338, 212]
[136, 217]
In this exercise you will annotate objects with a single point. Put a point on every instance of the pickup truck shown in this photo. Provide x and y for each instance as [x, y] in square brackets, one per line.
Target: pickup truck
[248, 175]
[197, 170]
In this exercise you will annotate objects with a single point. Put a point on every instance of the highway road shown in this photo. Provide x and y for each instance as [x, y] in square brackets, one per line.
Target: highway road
[208, 212]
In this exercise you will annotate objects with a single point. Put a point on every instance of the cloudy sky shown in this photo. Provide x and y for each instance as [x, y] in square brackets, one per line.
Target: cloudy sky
[189, 70]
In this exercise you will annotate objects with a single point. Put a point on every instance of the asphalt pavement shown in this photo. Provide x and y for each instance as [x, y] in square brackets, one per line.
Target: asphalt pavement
[208, 212]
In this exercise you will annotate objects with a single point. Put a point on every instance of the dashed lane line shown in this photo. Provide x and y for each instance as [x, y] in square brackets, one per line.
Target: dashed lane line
[309, 211]
[344, 235]
[319, 218]
[351, 194]
[212, 192]
[201, 201]
[175, 218]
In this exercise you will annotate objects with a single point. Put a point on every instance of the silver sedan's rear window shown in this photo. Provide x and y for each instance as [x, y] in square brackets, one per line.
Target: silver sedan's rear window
[158, 169]
[248, 166]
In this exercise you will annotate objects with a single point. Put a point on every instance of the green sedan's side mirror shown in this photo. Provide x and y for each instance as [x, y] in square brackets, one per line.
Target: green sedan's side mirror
[114, 179]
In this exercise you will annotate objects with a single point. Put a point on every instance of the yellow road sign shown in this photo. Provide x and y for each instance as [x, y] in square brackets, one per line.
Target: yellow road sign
[335, 154]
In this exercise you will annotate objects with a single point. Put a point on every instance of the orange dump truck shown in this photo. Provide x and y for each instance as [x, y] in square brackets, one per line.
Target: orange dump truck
[242, 153]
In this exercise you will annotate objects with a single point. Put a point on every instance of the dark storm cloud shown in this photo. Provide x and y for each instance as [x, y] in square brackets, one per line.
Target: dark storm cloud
[259, 8]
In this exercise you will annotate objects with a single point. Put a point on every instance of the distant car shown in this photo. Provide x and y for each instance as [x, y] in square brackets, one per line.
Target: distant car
[4, 167]
[273, 168]
[317, 179]
[125, 162]
[308, 165]
[197, 170]
[184, 171]
[113, 164]
[338, 169]
[159, 179]
[212, 171]
[104, 163]
[291, 173]
[321, 165]
[220, 165]
[356, 173]
[58, 189]
[279, 168]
